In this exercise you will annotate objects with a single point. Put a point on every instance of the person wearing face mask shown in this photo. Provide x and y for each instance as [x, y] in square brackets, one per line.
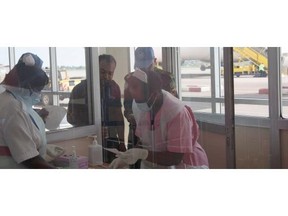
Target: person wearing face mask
[145, 60]
[166, 127]
[22, 130]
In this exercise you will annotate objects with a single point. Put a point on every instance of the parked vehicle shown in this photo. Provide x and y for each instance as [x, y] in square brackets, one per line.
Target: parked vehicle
[66, 84]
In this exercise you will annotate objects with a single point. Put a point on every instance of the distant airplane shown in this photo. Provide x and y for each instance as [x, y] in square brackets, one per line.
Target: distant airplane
[203, 53]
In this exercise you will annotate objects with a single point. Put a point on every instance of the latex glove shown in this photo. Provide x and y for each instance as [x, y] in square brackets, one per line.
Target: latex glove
[132, 155]
[53, 152]
[117, 163]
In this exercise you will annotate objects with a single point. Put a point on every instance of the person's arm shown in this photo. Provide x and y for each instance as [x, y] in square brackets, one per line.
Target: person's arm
[128, 100]
[120, 119]
[162, 158]
[70, 109]
[77, 112]
[115, 115]
[43, 113]
[120, 132]
[165, 158]
[37, 163]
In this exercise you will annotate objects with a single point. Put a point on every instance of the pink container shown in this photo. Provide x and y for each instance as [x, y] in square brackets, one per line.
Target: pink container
[63, 161]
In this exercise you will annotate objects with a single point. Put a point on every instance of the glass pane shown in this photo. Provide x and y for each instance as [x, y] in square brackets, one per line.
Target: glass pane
[42, 52]
[71, 69]
[203, 107]
[284, 80]
[195, 80]
[251, 81]
[4, 62]
[158, 56]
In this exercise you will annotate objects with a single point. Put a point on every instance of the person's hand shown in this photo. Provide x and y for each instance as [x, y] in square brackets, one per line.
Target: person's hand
[117, 163]
[131, 119]
[122, 147]
[132, 155]
[43, 113]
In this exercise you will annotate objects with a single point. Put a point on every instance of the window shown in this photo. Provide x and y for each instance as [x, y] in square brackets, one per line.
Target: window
[202, 81]
[4, 62]
[251, 81]
[195, 77]
[66, 70]
[71, 70]
[284, 80]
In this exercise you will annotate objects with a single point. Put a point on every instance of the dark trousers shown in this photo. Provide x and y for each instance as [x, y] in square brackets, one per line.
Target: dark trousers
[132, 141]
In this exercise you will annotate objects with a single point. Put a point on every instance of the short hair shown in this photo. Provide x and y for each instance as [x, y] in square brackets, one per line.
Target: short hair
[107, 58]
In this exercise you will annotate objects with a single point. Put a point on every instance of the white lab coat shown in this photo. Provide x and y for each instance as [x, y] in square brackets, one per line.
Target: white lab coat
[19, 133]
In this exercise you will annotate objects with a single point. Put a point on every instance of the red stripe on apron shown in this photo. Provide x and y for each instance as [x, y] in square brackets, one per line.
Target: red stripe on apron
[4, 151]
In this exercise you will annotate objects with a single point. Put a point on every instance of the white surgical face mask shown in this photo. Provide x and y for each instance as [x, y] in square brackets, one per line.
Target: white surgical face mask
[144, 106]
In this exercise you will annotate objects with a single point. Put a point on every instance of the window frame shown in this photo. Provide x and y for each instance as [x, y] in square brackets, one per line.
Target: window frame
[274, 122]
[92, 68]
[92, 73]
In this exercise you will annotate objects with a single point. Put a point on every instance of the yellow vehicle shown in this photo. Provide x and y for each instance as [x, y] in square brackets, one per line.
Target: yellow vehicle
[251, 55]
[66, 84]
[257, 57]
[242, 70]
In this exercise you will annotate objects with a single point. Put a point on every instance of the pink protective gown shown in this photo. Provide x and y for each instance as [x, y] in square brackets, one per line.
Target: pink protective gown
[176, 130]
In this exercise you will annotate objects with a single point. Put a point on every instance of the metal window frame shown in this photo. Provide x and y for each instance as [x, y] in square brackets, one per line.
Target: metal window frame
[275, 104]
[54, 74]
[229, 107]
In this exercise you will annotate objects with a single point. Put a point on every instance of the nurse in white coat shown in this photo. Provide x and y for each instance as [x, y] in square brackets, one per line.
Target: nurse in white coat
[22, 130]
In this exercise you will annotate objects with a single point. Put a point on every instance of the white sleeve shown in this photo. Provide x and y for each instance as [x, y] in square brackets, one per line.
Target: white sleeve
[18, 131]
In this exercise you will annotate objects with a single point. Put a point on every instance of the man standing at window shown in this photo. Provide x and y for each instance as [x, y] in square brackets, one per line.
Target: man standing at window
[112, 117]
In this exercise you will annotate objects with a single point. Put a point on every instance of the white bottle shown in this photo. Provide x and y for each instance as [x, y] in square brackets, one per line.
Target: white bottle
[73, 164]
[95, 153]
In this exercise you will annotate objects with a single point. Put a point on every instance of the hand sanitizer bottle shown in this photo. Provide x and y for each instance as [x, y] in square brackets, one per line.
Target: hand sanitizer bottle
[73, 164]
[95, 153]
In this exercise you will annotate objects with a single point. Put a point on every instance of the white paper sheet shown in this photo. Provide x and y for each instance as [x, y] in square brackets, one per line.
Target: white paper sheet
[56, 114]
[113, 150]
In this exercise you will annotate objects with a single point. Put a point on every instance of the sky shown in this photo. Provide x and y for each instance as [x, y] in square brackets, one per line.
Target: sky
[65, 55]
